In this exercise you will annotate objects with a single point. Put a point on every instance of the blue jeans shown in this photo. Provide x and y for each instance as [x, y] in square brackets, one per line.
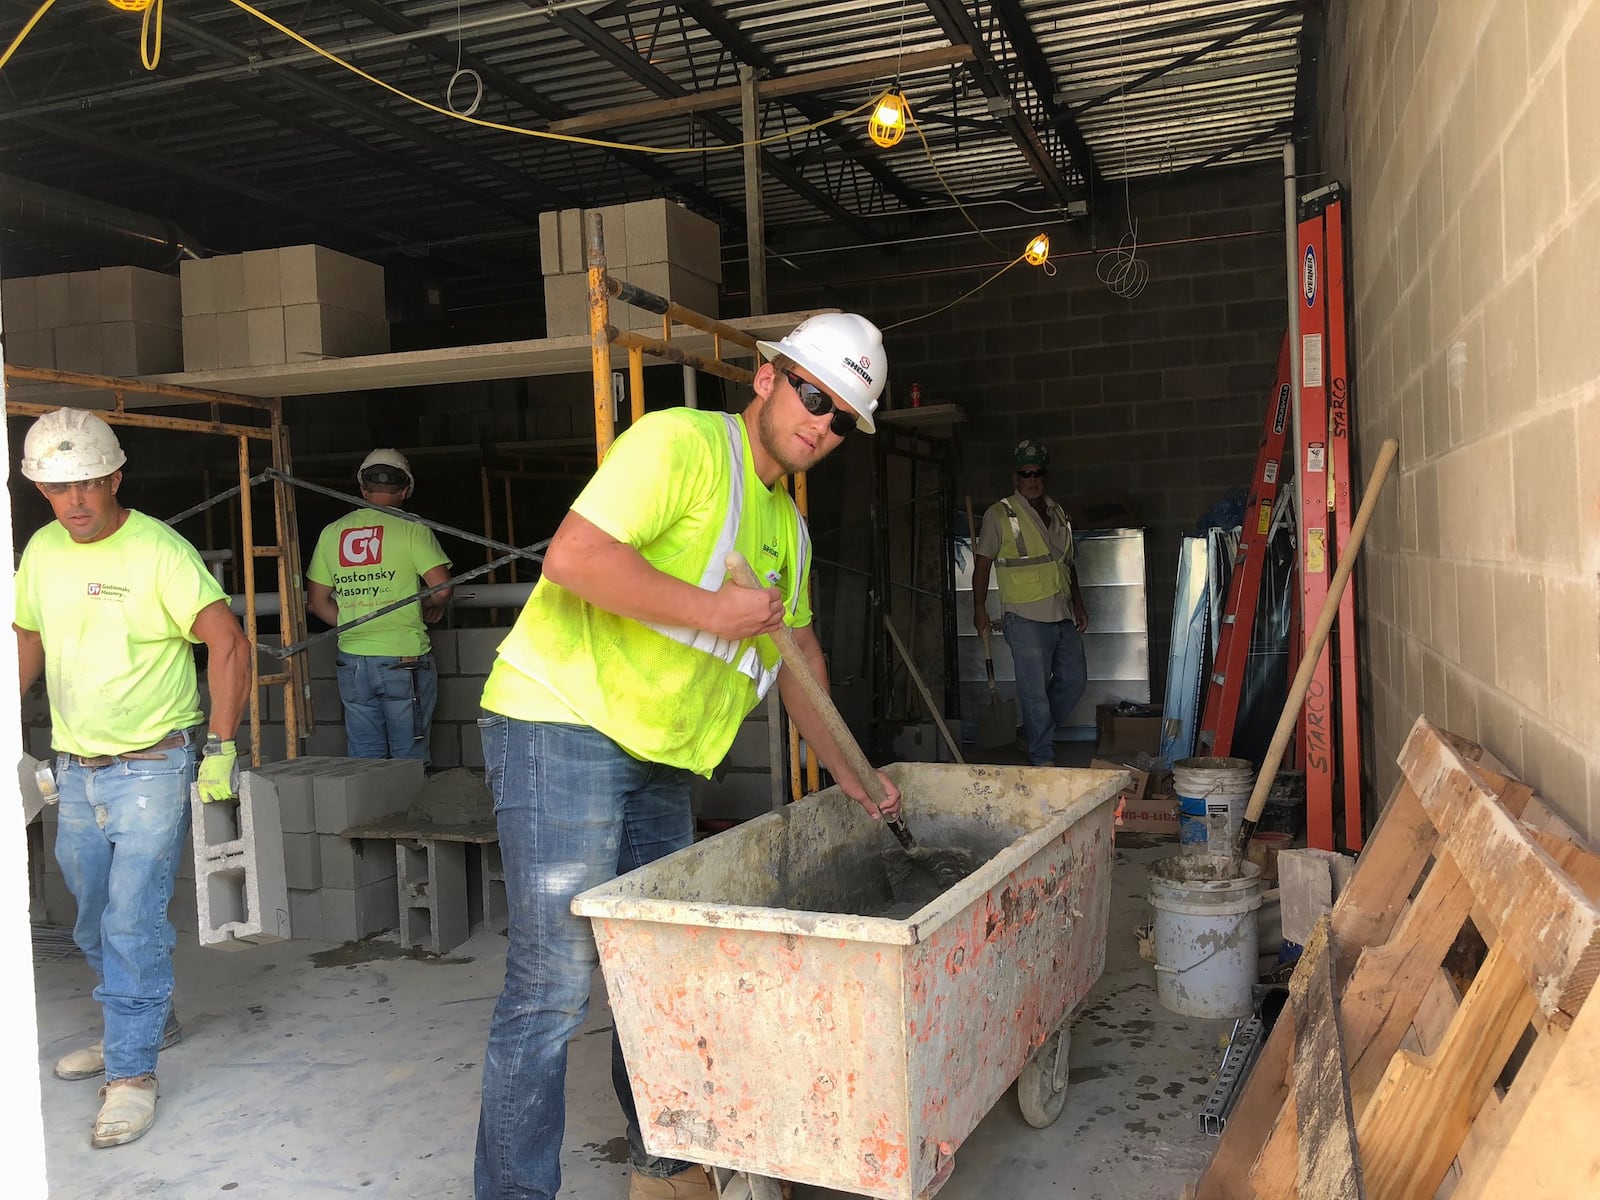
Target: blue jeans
[574, 810]
[1051, 678]
[388, 705]
[119, 835]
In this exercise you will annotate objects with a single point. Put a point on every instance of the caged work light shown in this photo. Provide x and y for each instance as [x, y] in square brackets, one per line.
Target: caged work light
[1038, 251]
[889, 116]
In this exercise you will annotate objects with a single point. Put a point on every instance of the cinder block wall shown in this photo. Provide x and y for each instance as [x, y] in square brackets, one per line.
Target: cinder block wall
[1160, 397]
[1468, 135]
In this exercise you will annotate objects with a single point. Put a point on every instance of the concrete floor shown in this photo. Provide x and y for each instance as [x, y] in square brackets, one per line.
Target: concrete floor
[313, 1071]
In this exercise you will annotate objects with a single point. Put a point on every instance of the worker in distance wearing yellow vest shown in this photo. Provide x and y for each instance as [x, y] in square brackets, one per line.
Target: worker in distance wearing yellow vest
[1027, 539]
[627, 673]
[109, 607]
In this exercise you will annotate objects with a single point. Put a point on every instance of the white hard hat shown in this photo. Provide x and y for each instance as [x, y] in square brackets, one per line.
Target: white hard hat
[391, 459]
[845, 353]
[70, 445]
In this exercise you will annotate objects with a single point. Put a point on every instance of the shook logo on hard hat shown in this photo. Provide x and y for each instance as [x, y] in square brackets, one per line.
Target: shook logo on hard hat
[860, 368]
[361, 547]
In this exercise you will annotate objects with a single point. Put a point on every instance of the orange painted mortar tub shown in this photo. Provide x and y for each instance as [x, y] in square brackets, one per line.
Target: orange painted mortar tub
[773, 1029]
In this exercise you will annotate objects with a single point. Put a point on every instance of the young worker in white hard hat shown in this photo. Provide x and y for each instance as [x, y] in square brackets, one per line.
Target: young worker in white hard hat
[110, 604]
[1027, 539]
[627, 673]
[364, 561]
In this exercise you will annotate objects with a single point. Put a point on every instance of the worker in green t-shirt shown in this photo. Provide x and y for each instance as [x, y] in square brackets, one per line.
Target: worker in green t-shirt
[110, 604]
[365, 561]
[627, 673]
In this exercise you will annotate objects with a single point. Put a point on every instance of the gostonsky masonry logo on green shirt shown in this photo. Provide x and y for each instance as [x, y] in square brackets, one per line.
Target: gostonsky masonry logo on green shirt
[361, 548]
[109, 591]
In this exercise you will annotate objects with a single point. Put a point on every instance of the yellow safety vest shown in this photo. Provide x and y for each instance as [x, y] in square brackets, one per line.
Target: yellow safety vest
[1027, 569]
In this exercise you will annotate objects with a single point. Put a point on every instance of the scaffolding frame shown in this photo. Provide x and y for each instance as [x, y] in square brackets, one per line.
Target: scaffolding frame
[295, 678]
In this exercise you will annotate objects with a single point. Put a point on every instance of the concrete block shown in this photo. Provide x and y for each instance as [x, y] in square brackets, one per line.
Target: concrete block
[566, 305]
[328, 738]
[476, 650]
[444, 745]
[239, 866]
[1309, 882]
[432, 894]
[573, 242]
[31, 348]
[293, 779]
[19, 305]
[83, 298]
[81, 348]
[492, 882]
[227, 284]
[662, 231]
[317, 275]
[460, 697]
[305, 915]
[264, 331]
[136, 294]
[200, 342]
[233, 339]
[550, 243]
[614, 229]
[195, 289]
[443, 641]
[471, 746]
[671, 282]
[361, 790]
[53, 305]
[316, 331]
[302, 862]
[349, 916]
[352, 863]
[262, 279]
[137, 348]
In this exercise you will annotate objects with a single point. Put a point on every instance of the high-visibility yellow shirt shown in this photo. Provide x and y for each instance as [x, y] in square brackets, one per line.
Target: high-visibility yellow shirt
[370, 560]
[117, 621]
[680, 487]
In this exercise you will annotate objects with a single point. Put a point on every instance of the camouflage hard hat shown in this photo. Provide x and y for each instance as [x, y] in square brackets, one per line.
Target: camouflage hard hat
[1030, 454]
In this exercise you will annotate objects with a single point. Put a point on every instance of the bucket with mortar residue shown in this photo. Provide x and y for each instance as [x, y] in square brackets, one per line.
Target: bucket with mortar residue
[1212, 796]
[1205, 934]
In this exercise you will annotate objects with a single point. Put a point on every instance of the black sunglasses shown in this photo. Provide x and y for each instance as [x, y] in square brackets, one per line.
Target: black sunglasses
[819, 403]
[1032, 474]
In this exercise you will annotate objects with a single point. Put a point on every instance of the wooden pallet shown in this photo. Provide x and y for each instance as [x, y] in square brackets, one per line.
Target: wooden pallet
[1383, 1078]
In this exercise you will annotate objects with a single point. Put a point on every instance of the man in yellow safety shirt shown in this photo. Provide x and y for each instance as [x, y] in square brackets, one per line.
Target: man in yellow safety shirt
[365, 561]
[627, 673]
[110, 604]
[1027, 539]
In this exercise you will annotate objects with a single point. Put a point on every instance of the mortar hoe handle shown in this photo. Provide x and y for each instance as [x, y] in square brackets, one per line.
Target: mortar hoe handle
[1313, 652]
[823, 703]
[988, 654]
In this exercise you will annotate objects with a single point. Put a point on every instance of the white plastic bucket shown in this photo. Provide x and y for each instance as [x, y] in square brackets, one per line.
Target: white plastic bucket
[1212, 796]
[1205, 934]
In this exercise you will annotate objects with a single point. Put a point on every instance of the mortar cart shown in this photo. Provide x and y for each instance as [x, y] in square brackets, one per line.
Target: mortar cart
[775, 1035]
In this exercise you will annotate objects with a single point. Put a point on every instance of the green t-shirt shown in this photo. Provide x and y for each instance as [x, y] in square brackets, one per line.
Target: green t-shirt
[370, 560]
[664, 488]
[117, 618]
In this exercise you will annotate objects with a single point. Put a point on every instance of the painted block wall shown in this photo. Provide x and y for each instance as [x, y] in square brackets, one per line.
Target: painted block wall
[1467, 134]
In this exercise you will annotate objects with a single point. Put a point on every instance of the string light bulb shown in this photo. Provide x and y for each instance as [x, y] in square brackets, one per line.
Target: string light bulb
[1038, 251]
[889, 117]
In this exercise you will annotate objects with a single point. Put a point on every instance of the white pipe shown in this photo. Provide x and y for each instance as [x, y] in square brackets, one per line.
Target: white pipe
[468, 595]
[691, 388]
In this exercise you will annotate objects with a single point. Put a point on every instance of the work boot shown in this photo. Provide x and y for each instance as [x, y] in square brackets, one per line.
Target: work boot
[693, 1184]
[127, 1111]
[88, 1061]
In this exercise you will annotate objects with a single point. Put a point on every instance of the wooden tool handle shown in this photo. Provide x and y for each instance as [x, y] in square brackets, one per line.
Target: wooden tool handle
[988, 653]
[1313, 651]
[795, 660]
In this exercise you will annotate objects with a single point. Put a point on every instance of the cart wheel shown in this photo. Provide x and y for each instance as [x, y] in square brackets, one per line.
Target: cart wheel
[1042, 1086]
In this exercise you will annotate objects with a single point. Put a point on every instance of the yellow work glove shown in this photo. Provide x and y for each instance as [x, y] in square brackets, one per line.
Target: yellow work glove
[216, 769]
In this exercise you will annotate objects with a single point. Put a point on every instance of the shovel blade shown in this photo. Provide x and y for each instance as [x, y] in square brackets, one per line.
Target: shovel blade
[997, 722]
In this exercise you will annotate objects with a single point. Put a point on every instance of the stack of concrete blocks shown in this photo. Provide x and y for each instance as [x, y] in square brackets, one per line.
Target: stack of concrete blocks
[653, 244]
[295, 304]
[339, 889]
[120, 321]
[240, 892]
[432, 875]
